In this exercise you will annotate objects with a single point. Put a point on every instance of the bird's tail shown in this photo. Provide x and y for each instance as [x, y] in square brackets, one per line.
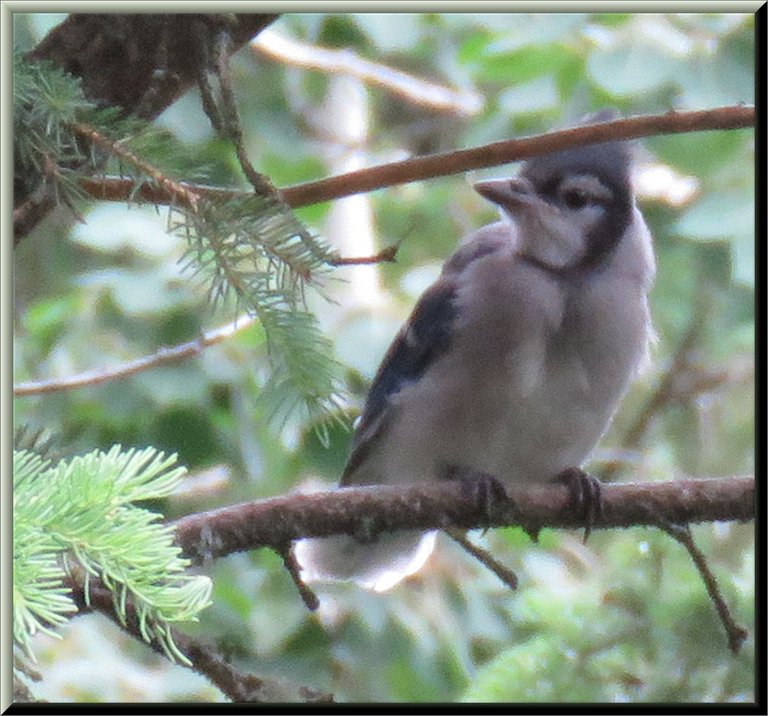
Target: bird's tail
[377, 565]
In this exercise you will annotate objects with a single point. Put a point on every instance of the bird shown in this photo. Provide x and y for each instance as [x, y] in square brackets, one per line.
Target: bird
[513, 362]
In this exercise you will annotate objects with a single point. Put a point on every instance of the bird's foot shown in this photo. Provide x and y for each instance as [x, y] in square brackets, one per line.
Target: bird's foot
[586, 495]
[485, 490]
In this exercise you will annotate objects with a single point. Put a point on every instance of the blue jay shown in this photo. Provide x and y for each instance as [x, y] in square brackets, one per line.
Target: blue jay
[513, 362]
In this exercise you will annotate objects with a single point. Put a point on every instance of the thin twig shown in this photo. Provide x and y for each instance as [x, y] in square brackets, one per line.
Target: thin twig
[736, 633]
[294, 569]
[237, 685]
[224, 117]
[178, 192]
[414, 89]
[387, 255]
[463, 160]
[174, 353]
[160, 357]
[505, 574]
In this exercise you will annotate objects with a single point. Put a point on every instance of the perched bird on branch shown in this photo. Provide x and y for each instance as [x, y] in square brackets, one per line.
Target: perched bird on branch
[513, 362]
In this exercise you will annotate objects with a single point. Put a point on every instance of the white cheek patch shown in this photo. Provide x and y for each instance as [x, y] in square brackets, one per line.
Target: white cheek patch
[558, 241]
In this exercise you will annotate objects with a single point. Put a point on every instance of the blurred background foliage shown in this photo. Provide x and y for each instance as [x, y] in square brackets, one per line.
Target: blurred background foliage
[623, 618]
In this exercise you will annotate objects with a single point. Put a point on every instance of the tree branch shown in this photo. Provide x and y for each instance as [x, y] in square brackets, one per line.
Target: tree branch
[455, 162]
[237, 685]
[158, 358]
[141, 63]
[736, 633]
[413, 89]
[277, 521]
[489, 155]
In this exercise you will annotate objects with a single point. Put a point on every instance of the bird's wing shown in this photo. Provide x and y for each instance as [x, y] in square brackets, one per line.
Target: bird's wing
[420, 342]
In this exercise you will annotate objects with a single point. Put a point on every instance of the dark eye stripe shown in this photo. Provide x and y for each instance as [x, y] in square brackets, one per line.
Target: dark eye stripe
[578, 199]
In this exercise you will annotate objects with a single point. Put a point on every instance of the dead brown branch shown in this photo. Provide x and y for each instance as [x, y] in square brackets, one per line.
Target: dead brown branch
[736, 634]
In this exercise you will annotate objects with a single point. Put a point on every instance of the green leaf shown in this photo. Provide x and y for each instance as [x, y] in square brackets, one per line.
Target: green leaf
[718, 216]
[522, 65]
[721, 76]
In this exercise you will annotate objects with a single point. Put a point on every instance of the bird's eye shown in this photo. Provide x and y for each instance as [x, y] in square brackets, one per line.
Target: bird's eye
[575, 198]
[582, 191]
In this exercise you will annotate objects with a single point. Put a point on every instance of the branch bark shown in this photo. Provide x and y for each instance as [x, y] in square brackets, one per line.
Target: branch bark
[455, 162]
[497, 153]
[367, 511]
[239, 686]
[141, 63]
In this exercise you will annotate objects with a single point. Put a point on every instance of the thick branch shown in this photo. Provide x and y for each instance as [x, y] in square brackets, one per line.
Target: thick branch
[455, 162]
[367, 511]
[138, 62]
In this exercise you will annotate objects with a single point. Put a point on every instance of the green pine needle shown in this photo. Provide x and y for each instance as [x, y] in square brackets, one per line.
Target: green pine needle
[82, 511]
[252, 249]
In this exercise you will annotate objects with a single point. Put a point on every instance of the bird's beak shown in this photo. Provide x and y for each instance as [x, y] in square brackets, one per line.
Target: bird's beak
[507, 193]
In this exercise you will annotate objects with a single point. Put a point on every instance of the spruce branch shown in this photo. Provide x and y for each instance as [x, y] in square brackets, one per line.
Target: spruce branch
[136, 63]
[78, 516]
[252, 248]
[237, 685]
[178, 192]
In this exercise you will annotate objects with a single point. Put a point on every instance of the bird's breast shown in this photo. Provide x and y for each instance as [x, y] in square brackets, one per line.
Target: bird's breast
[533, 376]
